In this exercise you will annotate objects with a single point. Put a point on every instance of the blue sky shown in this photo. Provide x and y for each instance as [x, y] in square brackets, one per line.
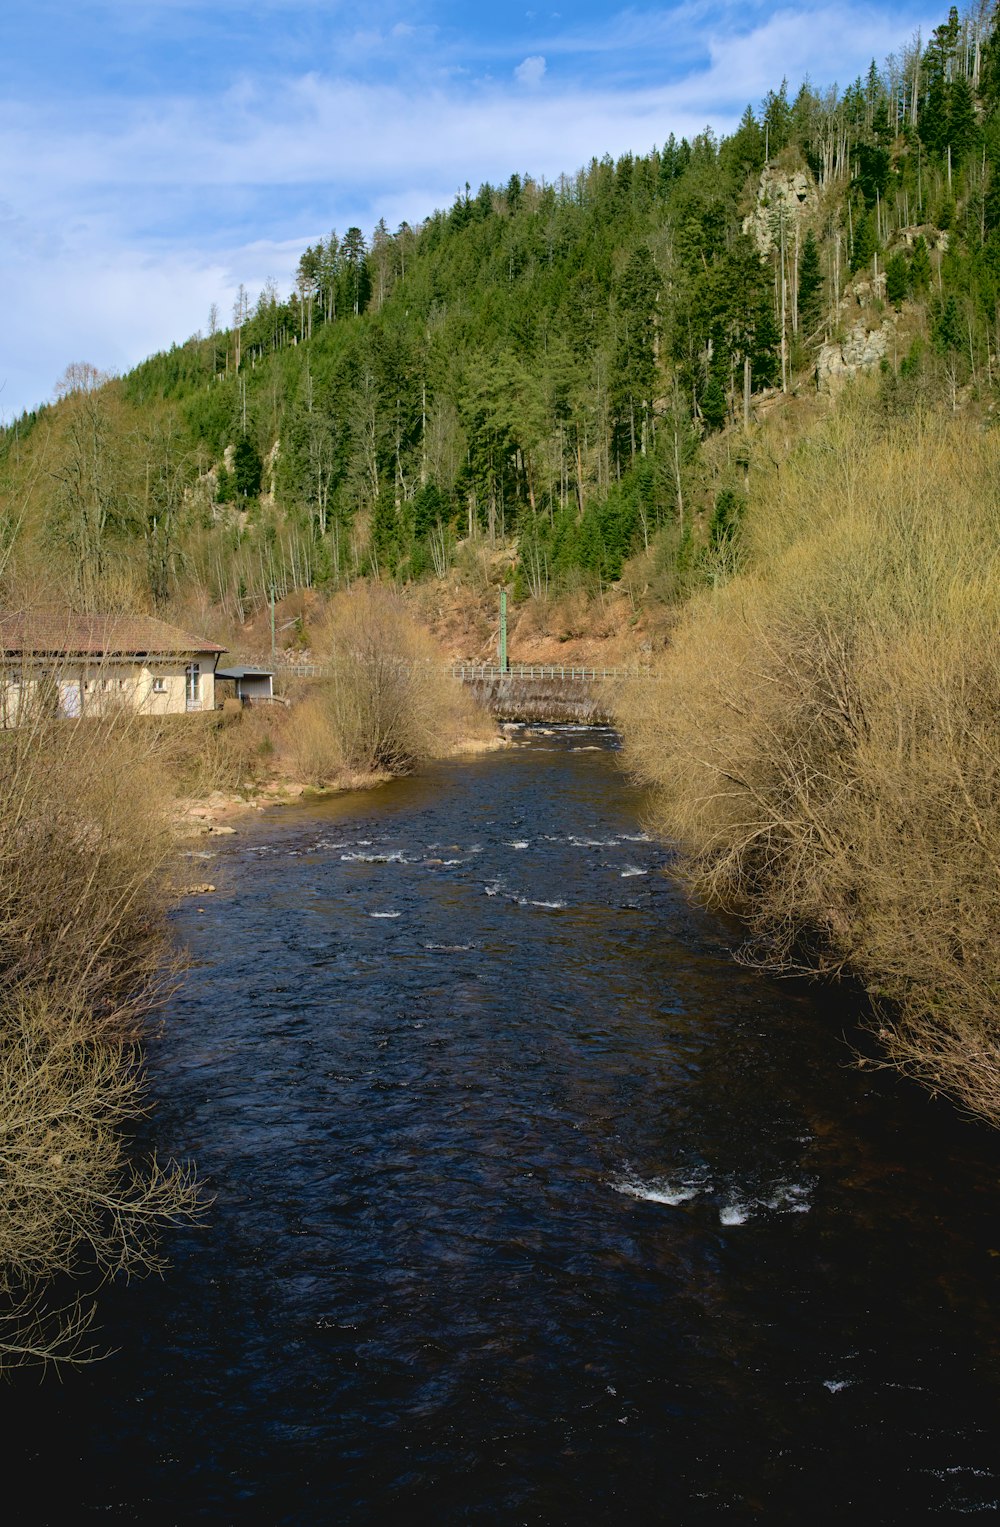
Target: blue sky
[156, 153]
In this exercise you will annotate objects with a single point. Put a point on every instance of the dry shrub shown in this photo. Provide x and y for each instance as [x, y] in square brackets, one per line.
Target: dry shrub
[197, 755]
[823, 743]
[313, 741]
[389, 701]
[84, 855]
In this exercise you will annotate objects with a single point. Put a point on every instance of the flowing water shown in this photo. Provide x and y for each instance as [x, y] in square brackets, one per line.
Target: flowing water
[531, 1205]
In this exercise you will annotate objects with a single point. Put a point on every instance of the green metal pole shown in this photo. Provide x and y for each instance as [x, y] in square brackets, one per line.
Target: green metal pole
[503, 630]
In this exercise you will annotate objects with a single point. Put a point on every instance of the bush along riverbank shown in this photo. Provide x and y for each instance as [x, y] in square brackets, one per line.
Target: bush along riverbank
[385, 705]
[824, 744]
[85, 851]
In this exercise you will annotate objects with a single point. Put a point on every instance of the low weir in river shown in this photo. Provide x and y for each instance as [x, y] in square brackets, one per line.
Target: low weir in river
[551, 693]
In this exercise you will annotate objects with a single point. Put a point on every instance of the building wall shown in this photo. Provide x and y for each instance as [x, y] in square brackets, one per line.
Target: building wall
[74, 687]
[172, 699]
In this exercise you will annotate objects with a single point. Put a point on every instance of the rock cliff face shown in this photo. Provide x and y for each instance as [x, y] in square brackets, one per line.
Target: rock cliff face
[862, 350]
[784, 196]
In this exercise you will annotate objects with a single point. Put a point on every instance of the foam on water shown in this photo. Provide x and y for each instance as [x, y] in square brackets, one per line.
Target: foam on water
[736, 1205]
[394, 858]
[631, 870]
[681, 1188]
[783, 1197]
[385, 914]
[792, 1197]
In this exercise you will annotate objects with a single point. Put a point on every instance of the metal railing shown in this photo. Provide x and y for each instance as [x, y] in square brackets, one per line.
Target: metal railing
[490, 672]
[486, 673]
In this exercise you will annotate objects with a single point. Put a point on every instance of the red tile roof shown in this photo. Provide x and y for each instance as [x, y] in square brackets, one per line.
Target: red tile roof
[36, 633]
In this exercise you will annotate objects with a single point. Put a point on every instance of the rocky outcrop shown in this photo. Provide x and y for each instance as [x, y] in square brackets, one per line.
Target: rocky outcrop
[269, 475]
[862, 350]
[783, 197]
[934, 238]
[864, 291]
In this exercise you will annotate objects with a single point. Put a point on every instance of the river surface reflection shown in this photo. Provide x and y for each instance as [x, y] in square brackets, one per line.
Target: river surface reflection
[531, 1205]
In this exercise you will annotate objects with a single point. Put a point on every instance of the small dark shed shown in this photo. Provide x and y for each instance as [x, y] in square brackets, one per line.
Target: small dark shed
[250, 683]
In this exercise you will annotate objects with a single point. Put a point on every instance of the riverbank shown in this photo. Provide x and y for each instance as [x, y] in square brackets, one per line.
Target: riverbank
[198, 815]
[86, 865]
[822, 744]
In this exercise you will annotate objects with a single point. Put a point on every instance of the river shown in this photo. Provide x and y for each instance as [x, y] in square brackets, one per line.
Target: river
[531, 1205]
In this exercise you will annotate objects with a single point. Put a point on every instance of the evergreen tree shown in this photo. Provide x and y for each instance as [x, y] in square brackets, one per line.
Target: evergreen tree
[743, 153]
[963, 127]
[712, 403]
[777, 116]
[248, 468]
[935, 109]
[897, 278]
[634, 373]
[726, 515]
[864, 244]
[920, 266]
[354, 274]
[741, 292]
[872, 178]
[810, 304]
[947, 328]
[385, 536]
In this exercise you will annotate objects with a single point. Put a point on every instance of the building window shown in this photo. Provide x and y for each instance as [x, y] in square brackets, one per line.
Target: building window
[159, 686]
[192, 678]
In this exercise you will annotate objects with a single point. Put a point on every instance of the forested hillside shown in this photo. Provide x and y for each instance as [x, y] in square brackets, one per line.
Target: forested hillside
[572, 372]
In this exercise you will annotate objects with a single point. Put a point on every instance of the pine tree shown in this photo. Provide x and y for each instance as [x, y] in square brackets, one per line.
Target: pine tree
[963, 127]
[810, 285]
[353, 270]
[920, 267]
[777, 114]
[712, 403]
[897, 278]
[743, 153]
[947, 329]
[865, 243]
[248, 469]
[633, 378]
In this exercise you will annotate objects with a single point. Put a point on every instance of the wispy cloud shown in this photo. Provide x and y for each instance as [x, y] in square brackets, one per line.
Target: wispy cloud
[243, 131]
[531, 72]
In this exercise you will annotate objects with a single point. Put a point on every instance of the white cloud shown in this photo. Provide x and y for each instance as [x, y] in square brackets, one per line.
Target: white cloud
[124, 217]
[113, 307]
[531, 71]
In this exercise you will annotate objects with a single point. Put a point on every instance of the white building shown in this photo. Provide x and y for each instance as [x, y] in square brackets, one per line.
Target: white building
[74, 665]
